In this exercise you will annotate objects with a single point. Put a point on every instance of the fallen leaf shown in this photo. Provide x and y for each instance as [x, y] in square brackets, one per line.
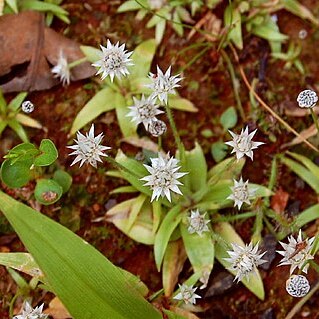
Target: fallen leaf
[57, 310]
[279, 201]
[305, 134]
[29, 50]
[143, 142]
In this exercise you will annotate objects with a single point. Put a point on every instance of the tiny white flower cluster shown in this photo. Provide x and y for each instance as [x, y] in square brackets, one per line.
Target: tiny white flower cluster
[29, 313]
[197, 223]
[297, 254]
[27, 107]
[307, 99]
[241, 193]
[244, 260]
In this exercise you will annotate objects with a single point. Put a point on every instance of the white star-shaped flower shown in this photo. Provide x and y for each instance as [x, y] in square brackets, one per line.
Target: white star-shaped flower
[297, 252]
[29, 313]
[114, 61]
[297, 286]
[187, 294]
[244, 260]
[164, 176]
[242, 144]
[163, 84]
[241, 193]
[62, 70]
[307, 99]
[88, 148]
[197, 223]
[144, 111]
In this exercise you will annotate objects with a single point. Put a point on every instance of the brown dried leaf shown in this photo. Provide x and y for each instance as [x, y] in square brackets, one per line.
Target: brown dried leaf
[29, 50]
[57, 310]
[305, 134]
[279, 201]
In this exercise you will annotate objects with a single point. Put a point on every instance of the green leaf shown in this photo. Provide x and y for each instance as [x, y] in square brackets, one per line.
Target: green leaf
[16, 175]
[124, 189]
[3, 104]
[22, 152]
[311, 179]
[13, 5]
[89, 285]
[197, 167]
[219, 151]
[200, 250]
[142, 228]
[159, 31]
[169, 223]
[307, 216]
[63, 179]
[28, 121]
[130, 5]
[42, 6]
[179, 103]
[101, 102]
[268, 30]
[228, 236]
[136, 209]
[313, 168]
[17, 127]
[47, 191]
[232, 20]
[226, 169]
[17, 101]
[93, 54]
[48, 154]
[23, 262]
[173, 315]
[142, 58]
[229, 118]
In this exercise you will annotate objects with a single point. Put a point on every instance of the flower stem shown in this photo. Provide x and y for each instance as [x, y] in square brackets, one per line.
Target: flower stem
[159, 143]
[315, 119]
[76, 62]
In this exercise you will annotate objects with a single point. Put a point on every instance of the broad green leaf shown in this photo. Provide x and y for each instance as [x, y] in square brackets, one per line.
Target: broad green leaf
[229, 118]
[173, 262]
[179, 103]
[22, 152]
[228, 236]
[89, 285]
[16, 175]
[128, 128]
[47, 191]
[269, 31]
[219, 151]
[63, 179]
[259, 190]
[17, 101]
[28, 121]
[313, 168]
[142, 58]
[93, 54]
[299, 10]
[23, 262]
[101, 102]
[200, 250]
[42, 6]
[142, 229]
[13, 5]
[17, 127]
[63, 17]
[130, 5]
[197, 167]
[173, 315]
[219, 192]
[308, 215]
[311, 179]
[227, 169]
[48, 155]
[169, 223]
[136, 209]
[232, 20]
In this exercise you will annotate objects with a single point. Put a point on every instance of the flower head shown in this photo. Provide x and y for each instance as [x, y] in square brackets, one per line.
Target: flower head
[244, 260]
[62, 70]
[297, 286]
[157, 128]
[307, 99]
[163, 84]
[114, 61]
[242, 144]
[197, 223]
[241, 193]
[88, 148]
[144, 111]
[29, 313]
[164, 176]
[187, 294]
[27, 107]
[297, 252]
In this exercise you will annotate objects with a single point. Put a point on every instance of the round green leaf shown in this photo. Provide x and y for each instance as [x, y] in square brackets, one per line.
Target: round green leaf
[63, 179]
[47, 191]
[48, 154]
[17, 174]
[219, 151]
[229, 118]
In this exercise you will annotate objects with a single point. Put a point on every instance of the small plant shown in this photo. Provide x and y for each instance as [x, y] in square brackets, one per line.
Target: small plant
[50, 7]
[24, 163]
[10, 115]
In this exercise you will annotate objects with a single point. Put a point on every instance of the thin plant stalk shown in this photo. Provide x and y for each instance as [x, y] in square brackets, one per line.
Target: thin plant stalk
[315, 119]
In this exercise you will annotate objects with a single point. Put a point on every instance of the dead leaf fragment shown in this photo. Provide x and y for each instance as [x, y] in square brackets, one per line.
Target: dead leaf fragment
[29, 50]
[279, 201]
[57, 310]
